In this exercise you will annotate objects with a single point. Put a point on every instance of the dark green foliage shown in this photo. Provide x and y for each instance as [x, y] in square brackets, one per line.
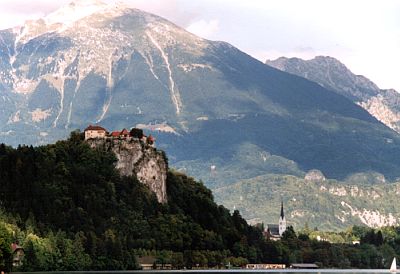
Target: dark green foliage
[372, 237]
[86, 216]
[5, 249]
[136, 133]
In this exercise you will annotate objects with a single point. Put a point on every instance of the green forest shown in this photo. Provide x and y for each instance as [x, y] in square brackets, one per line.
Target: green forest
[67, 206]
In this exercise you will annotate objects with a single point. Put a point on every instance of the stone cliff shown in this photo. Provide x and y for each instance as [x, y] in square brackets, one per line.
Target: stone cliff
[137, 158]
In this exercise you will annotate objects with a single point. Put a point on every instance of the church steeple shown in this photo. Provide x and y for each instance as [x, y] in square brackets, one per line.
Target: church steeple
[282, 221]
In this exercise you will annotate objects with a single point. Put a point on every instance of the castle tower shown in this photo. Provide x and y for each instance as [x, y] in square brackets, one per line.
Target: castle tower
[282, 221]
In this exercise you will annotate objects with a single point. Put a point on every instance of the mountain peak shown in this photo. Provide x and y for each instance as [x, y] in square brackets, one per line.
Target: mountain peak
[75, 10]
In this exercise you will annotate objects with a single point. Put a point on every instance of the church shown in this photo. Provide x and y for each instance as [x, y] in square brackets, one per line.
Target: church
[275, 231]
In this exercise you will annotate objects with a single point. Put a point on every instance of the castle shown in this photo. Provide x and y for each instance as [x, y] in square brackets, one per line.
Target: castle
[136, 156]
[93, 132]
[275, 231]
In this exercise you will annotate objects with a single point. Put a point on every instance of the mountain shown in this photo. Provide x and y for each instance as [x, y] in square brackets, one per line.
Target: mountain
[329, 205]
[220, 114]
[332, 74]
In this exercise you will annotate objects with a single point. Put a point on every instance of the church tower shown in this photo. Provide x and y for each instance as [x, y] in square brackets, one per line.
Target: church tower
[282, 221]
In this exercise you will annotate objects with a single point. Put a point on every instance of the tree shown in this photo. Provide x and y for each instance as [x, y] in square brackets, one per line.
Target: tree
[5, 249]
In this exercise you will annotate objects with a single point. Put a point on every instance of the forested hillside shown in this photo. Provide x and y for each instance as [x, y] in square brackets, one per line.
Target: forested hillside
[69, 209]
[66, 201]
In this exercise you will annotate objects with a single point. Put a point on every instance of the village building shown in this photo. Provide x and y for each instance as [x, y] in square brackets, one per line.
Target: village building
[150, 140]
[120, 134]
[150, 263]
[124, 133]
[304, 266]
[265, 266]
[93, 132]
[275, 231]
[17, 254]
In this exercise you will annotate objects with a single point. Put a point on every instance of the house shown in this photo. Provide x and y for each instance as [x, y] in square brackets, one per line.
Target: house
[147, 262]
[272, 232]
[275, 231]
[92, 132]
[124, 133]
[115, 134]
[18, 254]
[265, 266]
[304, 266]
[150, 140]
[150, 263]
[120, 134]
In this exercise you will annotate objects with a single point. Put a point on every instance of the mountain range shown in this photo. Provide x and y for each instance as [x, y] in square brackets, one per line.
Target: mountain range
[221, 115]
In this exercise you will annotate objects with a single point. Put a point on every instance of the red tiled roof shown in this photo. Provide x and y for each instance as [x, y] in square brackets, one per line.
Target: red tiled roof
[97, 128]
[124, 132]
[151, 138]
[115, 133]
[15, 246]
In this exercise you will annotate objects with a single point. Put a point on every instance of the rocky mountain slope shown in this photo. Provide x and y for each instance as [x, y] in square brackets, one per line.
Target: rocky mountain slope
[331, 74]
[221, 115]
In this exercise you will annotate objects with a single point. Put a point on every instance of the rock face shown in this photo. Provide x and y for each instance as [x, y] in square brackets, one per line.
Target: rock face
[137, 158]
[314, 175]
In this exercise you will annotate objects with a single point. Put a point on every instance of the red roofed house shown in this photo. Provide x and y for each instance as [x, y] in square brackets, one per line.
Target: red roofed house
[18, 254]
[92, 132]
[115, 133]
[150, 140]
[124, 133]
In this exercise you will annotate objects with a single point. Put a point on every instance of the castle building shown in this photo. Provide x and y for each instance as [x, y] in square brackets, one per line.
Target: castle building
[275, 231]
[92, 132]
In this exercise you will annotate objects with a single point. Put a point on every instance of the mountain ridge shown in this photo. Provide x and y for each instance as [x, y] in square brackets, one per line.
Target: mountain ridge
[332, 74]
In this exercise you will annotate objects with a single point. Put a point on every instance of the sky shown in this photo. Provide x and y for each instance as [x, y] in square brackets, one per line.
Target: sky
[362, 34]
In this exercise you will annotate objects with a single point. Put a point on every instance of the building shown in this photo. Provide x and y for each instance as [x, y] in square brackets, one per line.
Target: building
[265, 266]
[275, 231]
[92, 132]
[282, 221]
[150, 263]
[124, 133]
[304, 266]
[17, 253]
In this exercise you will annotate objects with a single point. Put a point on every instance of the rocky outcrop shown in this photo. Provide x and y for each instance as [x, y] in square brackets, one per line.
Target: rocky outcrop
[314, 175]
[139, 159]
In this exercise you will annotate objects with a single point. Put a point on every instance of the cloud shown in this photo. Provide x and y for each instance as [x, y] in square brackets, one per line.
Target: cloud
[16, 12]
[30, 7]
[203, 28]
[177, 11]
